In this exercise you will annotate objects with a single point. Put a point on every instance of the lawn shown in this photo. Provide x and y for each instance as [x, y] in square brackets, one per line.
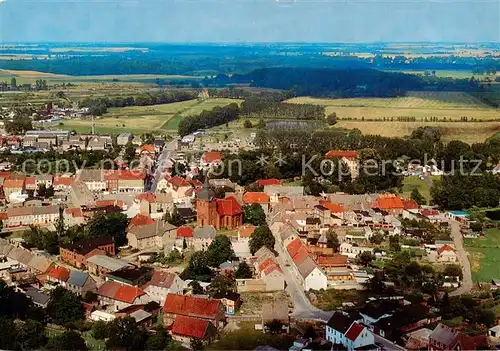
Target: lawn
[141, 119]
[484, 256]
[331, 299]
[247, 338]
[409, 183]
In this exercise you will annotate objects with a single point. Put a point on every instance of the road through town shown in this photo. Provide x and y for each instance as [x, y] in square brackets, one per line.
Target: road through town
[167, 153]
[463, 259]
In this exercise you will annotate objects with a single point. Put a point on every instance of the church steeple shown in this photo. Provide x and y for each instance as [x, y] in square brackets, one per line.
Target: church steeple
[206, 193]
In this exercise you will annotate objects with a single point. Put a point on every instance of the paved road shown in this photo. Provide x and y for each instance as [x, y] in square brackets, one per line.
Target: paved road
[463, 259]
[386, 344]
[167, 153]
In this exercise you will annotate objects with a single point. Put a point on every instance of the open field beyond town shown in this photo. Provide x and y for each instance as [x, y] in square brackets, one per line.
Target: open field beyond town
[409, 183]
[484, 256]
[164, 117]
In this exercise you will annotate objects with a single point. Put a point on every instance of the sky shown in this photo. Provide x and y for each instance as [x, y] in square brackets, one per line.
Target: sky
[345, 21]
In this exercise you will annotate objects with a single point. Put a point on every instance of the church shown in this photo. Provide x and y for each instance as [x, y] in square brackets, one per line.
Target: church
[221, 213]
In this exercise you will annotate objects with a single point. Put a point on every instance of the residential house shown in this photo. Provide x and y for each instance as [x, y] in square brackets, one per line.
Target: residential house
[30, 183]
[446, 254]
[80, 194]
[37, 296]
[390, 203]
[58, 275]
[26, 216]
[211, 158]
[93, 178]
[306, 269]
[343, 330]
[350, 158]
[240, 246]
[185, 328]
[62, 184]
[29, 141]
[131, 275]
[231, 301]
[11, 186]
[192, 306]
[203, 237]
[447, 338]
[117, 296]
[178, 188]
[257, 198]
[151, 204]
[131, 181]
[123, 139]
[101, 265]
[269, 269]
[352, 251]
[80, 283]
[45, 179]
[151, 235]
[184, 234]
[267, 182]
[162, 284]
[76, 254]
[74, 216]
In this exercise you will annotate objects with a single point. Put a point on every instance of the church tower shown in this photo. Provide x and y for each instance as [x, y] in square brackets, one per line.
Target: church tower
[206, 206]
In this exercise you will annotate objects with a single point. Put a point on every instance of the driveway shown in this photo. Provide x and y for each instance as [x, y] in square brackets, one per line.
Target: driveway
[463, 260]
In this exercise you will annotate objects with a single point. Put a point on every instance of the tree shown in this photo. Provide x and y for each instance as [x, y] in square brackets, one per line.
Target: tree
[332, 240]
[42, 239]
[243, 271]
[174, 218]
[197, 268]
[417, 197]
[364, 258]
[377, 238]
[13, 83]
[8, 328]
[331, 119]
[60, 228]
[453, 270]
[110, 224]
[67, 340]
[275, 326]
[196, 344]
[254, 214]
[247, 124]
[19, 125]
[49, 192]
[196, 288]
[222, 283]
[41, 190]
[100, 330]
[394, 243]
[160, 341]
[32, 335]
[124, 334]
[262, 236]
[13, 304]
[219, 251]
[65, 308]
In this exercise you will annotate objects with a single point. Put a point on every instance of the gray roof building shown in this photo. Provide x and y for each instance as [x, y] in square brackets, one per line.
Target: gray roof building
[205, 232]
[78, 278]
[110, 263]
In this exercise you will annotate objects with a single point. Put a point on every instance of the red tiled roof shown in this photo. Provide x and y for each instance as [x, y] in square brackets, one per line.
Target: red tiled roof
[148, 148]
[354, 331]
[133, 174]
[301, 255]
[67, 181]
[211, 156]
[120, 292]
[185, 232]
[228, 206]
[74, 211]
[191, 306]
[106, 203]
[140, 219]
[5, 174]
[410, 205]
[149, 197]
[4, 216]
[350, 154]
[334, 208]
[190, 327]
[445, 248]
[271, 181]
[388, 202]
[13, 183]
[178, 181]
[161, 279]
[294, 247]
[246, 231]
[269, 265]
[335, 260]
[427, 212]
[59, 273]
[30, 180]
[255, 198]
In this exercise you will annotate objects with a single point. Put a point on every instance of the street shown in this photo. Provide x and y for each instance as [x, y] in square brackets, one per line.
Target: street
[167, 153]
[463, 259]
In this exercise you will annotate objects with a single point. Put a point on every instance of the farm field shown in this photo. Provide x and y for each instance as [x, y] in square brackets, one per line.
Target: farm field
[484, 256]
[468, 132]
[409, 183]
[421, 105]
[458, 74]
[141, 119]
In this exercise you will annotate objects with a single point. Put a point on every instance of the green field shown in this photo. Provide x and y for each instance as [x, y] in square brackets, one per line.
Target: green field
[484, 256]
[409, 183]
[141, 119]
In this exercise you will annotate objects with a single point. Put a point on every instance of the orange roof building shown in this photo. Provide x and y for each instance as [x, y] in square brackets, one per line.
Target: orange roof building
[348, 154]
[252, 197]
[388, 202]
[59, 274]
[209, 157]
[270, 181]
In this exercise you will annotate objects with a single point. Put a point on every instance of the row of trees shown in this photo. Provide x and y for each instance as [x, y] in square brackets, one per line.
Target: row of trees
[207, 119]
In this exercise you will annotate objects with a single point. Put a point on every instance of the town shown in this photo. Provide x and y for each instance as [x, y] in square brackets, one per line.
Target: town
[173, 249]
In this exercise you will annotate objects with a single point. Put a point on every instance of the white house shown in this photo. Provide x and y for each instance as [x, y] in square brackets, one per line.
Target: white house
[162, 284]
[352, 251]
[344, 330]
[447, 254]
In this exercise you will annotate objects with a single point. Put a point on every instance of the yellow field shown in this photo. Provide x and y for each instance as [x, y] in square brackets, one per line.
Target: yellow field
[452, 105]
[468, 132]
